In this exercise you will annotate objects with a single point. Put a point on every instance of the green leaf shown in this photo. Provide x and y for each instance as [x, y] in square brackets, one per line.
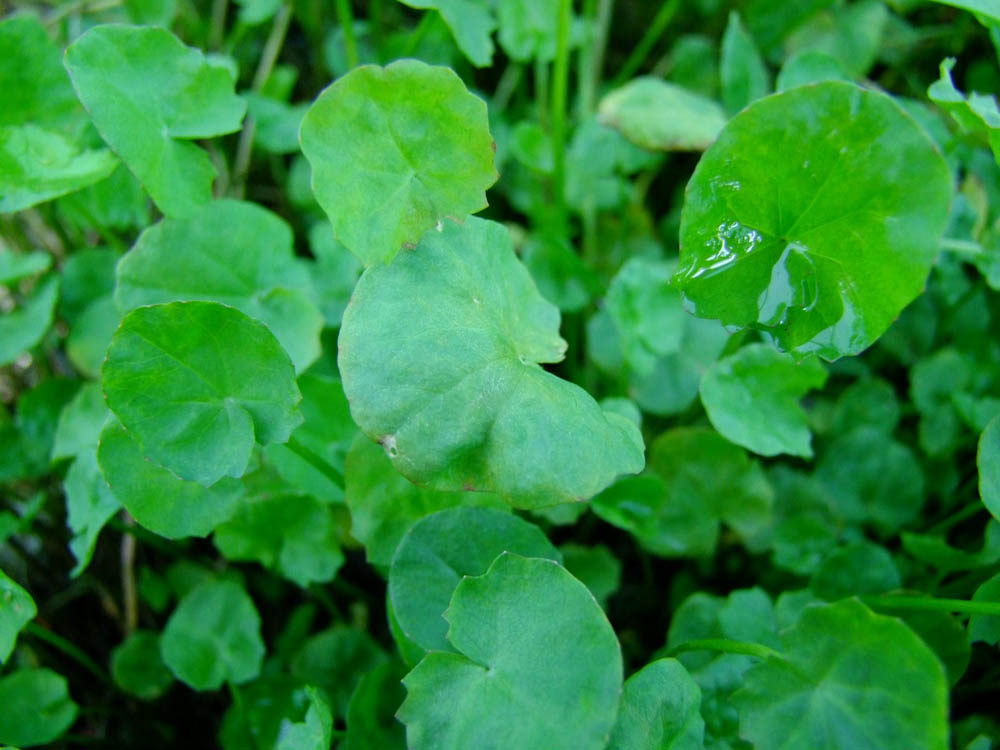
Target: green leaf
[158, 499]
[443, 548]
[137, 667]
[38, 165]
[814, 218]
[849, 678]
[464, 403]
[385, 505]
[213, 637]
[17, 266]
[752, 397]
[528, 634]
[315, 733]
[694, 481]
[149, 96]
[25, 325]
[371, 721]
[91, 334]
[196, 384]
[336, 273]
[35, 707]
[852, 34]
[744, 75]
[662, 116]
[293, 534]
[806, 522]
[268, 704]
[254, 270]
[595, 567]
[988, 461]
[17, 609]
[560, 273]
[471, 22]
[276, 123]
[985, 8]
[855, 569]
[986, 628]
[335, 659]
[976, 113]
[528, 28]
[27, 444]
[659, 710]
[869, 402]
[395, 151]
[90, 503]
[809, 66]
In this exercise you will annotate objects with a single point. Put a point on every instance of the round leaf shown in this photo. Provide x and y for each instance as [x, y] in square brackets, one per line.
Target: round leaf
[849, 679]
[815, 218]
[752, 398]
[659, 710]
[35, 707]
[213, 637]
[538, 668]
[461, 402]
[196, 384]
[394, 151]
[138, 668]
[443, 548]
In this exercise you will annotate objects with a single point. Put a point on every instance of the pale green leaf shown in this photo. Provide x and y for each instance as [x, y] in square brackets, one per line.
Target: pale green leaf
[90, 503]
[988, 461]
[25, 325]
[471, 22]
[35, 707]
[745, 77]
[17, 609]
[315, 733]
[659, 710]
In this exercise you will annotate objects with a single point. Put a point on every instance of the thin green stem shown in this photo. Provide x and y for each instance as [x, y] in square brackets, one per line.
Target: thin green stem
[597, 15]
[726, 646]
[79, 6]
[316, 461]
[663, 18]
[346, 20]
[541, 73]
[506, 86]
[931, 604]
[238, 704]
[957, 517]
[560, 86]
[68, 649]
[217, 26]
[961, 247]
[418, 34]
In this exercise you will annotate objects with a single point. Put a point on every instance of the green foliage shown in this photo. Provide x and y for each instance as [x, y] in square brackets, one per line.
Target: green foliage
[659, 710]
[35, 707]
[16, 609]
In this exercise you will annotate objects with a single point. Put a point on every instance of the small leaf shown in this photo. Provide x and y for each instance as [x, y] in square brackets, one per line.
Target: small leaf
[335, 659]
[744, 75]
[752, 398]
[776, 234]
[138, 668]
[17, 609]
[442, 549]
[988, 461]
[196, 384]
[595, 567]
[659, 710]
[986, 628]
[213, 637]
[976, 113]
[471, 22]
[394, 151]
[371, 721]
[24, 326]
[90, 503]
[528, 634]
[662, 116]
[462, 402]
[35, 707]
[528, 28]
[855, 569]
[149, 95]
[315, 733]
[849, 678]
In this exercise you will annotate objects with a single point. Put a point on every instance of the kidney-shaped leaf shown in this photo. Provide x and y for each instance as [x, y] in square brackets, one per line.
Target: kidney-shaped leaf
[752, 398]
[443, 548]
[659, 710]
[35, 707]
[148, 95]
[538, 668]
[196, 384]
[394, 151]
[213, 637]
[850, 678]
[815, 218]
[453, 388]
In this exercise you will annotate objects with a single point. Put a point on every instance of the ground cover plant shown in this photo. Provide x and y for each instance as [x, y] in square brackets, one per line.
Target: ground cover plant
[516, 374]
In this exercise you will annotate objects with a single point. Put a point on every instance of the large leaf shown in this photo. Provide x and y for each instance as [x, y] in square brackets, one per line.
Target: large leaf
[213, 637]
[196, 384]
[662, 116]
[251, 267]
[394, 151]
[149, 95]
[849, 679]
[538, 668]
[17, 608]
[442, 549]
[659, 710]
[462, 401]
[35, 707]
[752, 398]
[814, 218]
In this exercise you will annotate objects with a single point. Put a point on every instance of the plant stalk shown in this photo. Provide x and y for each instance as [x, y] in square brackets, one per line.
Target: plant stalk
[662, 19]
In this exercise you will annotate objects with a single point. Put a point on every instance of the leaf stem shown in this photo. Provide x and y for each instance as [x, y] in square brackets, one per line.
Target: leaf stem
[346, 20]
[560, 85]
[726, 646]
[66, 648]
[660, 22]
[961, 247]
[218, 23]
[130, 597]
[931, 604]
[316, 461]
[506, 85]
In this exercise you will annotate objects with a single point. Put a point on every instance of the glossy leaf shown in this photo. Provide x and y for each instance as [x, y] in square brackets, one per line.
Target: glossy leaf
[471, 22]
[157, 498]
[528, 634]
[464, 402]
[163, 380]
[394, 152]
[35, 707]
[149, 95]
[24, 326]
[253, 268]
[662, 116]
[776, 234]
[213, 637]
[849, 678]
[752, 398]
[659, 710]
[17, 609]
[138, 668]
[385, 505]
[442, 549]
